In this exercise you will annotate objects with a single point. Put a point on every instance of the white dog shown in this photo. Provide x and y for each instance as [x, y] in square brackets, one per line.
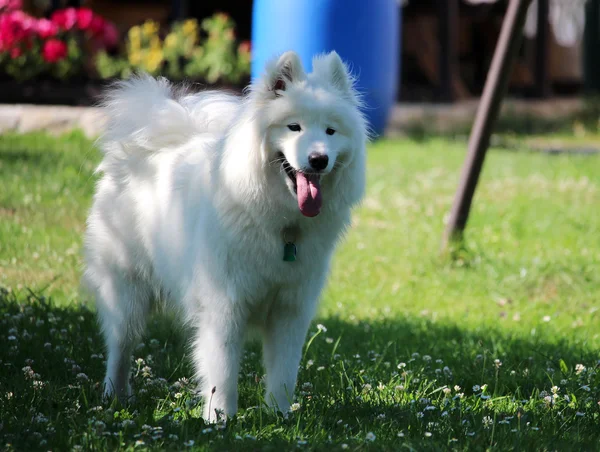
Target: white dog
[227, 209]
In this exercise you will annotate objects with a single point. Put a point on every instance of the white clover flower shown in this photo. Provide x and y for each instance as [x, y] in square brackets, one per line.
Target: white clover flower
[554, 389]
[381, 386]
[428, 434]
[579, 368]
[40, 419]
[294, 406]
[321, 328]
[447, 391]
[457, 388]
[476, 388]
[83, 378]
[329, 340]
[546, 318]
[189, 443]
[401, 365]
[497, 363]
[370, 436]
[487, 422]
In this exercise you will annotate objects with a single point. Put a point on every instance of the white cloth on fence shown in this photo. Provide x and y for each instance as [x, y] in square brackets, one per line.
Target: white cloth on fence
[567, 18]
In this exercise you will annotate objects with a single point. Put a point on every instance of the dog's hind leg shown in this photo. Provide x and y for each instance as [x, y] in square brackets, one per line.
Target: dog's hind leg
[123, 305]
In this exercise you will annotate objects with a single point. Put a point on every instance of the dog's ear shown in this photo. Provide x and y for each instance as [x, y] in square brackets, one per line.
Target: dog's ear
[287, 69]
[331, 68]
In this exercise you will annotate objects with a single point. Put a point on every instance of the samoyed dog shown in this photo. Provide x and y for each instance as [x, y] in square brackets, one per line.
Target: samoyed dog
[228, 211]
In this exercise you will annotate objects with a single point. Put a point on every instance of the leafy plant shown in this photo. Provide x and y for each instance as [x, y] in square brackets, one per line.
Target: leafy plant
[209, 52]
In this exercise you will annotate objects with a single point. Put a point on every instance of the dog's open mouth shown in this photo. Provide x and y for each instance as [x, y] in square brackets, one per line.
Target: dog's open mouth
[307, 187]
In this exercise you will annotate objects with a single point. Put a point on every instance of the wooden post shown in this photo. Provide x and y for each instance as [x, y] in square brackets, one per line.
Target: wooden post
[542, 82]
[448, 44]
[487, 113]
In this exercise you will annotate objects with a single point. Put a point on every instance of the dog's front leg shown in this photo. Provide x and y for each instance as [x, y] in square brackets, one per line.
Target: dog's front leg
[284, 337]
[217, 353]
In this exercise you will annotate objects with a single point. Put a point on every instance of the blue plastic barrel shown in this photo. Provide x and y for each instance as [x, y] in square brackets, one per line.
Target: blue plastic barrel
[365, 33]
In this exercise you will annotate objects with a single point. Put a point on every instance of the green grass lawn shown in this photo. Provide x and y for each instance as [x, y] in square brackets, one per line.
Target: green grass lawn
[496, 346]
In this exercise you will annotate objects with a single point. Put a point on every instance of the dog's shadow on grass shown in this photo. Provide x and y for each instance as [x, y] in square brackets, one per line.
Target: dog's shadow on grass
[63, 347]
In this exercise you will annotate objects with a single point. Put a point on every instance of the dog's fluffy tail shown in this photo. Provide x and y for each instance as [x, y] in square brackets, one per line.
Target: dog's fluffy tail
[147, 115]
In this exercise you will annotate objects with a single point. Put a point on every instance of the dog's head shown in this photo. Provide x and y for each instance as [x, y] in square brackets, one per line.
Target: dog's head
[314, 130]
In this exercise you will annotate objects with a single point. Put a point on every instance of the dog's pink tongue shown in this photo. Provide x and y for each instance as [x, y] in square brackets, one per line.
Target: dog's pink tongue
[309, 194]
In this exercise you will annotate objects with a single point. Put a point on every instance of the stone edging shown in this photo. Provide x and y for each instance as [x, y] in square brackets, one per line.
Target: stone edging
[428, 117]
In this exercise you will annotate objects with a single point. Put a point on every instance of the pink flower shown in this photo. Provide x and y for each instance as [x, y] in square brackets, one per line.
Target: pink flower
[65, 19]
[15, 52]
[84, 18]
[54, 50]
[110, 35]
[10, 5]
[15, 28]
[46, 29]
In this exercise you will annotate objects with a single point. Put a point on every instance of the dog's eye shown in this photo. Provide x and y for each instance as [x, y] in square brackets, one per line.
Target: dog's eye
[294, 127]
[329, 131]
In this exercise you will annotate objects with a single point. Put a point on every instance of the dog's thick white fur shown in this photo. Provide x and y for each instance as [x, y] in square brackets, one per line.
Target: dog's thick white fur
[194, 207]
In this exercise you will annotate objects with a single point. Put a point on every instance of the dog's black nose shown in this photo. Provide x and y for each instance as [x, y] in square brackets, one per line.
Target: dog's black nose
[318, 161]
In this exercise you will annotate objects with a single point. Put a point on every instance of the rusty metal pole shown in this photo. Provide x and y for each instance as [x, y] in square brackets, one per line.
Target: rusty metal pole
[487, 113]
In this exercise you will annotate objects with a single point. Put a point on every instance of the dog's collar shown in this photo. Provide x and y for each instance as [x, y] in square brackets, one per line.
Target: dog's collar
[289, 236]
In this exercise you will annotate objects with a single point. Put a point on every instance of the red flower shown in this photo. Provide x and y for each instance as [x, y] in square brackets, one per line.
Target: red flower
[54, 50]
[244, 47]
[97, 25]
[84, 18]
[46, 29]
[65, 19]
[15, 52]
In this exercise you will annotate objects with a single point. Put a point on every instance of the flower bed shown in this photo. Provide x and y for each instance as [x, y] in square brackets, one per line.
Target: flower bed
[69, 57]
